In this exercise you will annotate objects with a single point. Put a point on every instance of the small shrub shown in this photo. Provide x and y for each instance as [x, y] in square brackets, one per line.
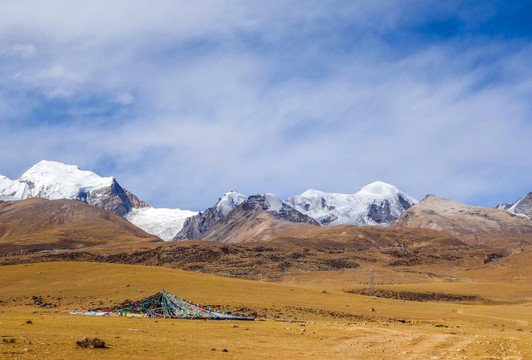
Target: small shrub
[92, 343]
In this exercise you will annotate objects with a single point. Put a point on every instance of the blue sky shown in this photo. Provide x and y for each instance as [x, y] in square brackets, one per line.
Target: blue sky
[183, 101]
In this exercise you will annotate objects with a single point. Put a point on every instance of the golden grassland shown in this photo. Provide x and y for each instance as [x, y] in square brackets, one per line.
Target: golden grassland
[293, 321]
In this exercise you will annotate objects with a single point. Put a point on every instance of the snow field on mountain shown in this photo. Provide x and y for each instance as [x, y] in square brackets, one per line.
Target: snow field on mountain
[10, 189]
[336, 209]
[274, 203]
[162, 222]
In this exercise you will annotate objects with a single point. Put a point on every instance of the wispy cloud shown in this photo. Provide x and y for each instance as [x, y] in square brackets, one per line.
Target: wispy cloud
[183, 101]
[18, 51]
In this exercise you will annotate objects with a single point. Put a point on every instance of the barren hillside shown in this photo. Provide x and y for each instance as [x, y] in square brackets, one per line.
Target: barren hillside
[40, 224]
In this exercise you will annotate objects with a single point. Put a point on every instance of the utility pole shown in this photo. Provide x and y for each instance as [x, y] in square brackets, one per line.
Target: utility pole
[371, 283]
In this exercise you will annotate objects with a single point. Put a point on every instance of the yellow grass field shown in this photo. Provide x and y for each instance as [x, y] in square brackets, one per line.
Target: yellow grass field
[293, 321]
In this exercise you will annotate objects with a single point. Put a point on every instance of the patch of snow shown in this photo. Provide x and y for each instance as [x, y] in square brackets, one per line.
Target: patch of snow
[164, 223]
[378, 190]
[274, 203]
[503, 206]
[229, 201]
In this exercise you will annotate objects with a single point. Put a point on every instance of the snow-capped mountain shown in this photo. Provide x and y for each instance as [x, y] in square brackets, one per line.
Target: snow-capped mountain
[375, 204]
[55, 180]
[197, 225]
[522, 206]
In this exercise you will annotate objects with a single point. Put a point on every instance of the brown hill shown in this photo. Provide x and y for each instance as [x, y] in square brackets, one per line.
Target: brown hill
[255, 244]
[343, 252]
[370, 237]
[39, 224]
[252, 225]
[471, 224]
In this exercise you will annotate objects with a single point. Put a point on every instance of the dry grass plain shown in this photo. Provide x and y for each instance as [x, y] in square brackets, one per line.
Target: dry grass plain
[296, 320]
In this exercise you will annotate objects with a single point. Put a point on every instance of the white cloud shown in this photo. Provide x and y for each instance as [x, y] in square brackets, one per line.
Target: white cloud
[265, 97]
[59, 93]
[124, 99]
[23, 51]
[58, 72]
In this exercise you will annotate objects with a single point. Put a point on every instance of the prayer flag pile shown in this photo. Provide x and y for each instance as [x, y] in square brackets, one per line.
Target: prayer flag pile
[165, 305]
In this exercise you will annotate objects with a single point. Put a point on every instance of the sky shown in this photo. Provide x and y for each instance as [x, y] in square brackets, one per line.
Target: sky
[183, 101]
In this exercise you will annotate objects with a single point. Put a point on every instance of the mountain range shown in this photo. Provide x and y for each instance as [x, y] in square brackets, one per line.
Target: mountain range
[236, 217]
[375, 204]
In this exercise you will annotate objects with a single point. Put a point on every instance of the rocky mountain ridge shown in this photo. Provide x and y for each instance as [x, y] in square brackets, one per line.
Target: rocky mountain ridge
[254, 221]
[522, 206]
[195, 226]
[280, 209]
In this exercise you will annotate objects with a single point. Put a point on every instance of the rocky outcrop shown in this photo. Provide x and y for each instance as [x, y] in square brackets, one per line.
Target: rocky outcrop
[113, 198]
[195, 226]
[522, 206]
[503, 206]
[380, 213]
[277, 208]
